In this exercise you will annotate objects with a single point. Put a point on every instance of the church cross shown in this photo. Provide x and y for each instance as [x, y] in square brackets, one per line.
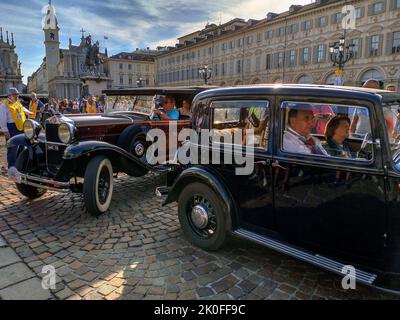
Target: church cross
[83, 32]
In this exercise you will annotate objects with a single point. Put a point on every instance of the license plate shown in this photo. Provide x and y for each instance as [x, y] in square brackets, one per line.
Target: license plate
[52, 148]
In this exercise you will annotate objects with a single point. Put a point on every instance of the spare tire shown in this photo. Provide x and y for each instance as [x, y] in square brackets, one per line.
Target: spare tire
[133, 140]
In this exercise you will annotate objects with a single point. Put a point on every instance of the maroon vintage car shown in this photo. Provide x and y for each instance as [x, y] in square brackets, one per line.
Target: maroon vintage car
[81, 153]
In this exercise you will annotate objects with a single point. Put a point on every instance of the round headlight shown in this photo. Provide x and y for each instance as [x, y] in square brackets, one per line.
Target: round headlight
[29, 129]
[65, 133]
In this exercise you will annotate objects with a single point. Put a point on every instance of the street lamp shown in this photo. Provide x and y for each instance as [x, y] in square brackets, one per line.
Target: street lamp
[340, 54]
[205, 73]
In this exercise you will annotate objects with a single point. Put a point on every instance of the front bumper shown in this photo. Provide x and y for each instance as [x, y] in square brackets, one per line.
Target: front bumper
[43, 183]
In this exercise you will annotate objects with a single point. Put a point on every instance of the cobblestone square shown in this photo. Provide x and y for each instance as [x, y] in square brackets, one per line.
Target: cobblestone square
[137, 251]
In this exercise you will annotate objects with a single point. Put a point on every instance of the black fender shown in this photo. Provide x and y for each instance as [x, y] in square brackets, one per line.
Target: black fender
[21, 140]
[17, 141]
[123, 161]
[211, 179]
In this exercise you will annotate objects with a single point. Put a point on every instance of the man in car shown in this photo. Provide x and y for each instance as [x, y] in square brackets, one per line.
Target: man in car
[297, 138]
[169, 111]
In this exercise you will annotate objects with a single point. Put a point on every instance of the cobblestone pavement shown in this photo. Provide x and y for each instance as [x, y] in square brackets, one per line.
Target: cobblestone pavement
[137, 251]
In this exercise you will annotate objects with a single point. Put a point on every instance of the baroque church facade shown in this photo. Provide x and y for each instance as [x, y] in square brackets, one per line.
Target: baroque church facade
[10, 66]
[63, 73]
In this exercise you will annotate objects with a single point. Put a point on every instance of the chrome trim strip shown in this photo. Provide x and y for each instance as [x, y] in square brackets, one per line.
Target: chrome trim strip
[35, 182]
[317, 260]
[56, 144]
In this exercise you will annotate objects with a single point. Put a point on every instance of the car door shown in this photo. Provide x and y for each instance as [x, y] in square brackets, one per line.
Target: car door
[237, 123]
[332, 200]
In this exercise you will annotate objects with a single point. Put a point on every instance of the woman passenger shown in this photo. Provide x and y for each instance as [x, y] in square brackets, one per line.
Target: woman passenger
[336, 133]
[186, 106]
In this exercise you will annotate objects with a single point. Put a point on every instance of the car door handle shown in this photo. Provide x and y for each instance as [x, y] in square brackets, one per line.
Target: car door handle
[276, 164]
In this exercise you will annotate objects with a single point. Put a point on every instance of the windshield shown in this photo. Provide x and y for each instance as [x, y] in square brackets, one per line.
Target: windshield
[138, 104]
[391, 112]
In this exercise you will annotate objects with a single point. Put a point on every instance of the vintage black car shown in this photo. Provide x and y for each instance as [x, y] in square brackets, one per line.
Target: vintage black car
[325, 181]
[93, 147]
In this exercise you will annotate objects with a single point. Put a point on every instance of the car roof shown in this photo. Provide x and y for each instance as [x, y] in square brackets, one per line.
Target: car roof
[298, 89]
[148, 91]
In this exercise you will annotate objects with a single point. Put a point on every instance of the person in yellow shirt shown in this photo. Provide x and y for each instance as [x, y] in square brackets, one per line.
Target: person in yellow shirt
[36, 107]
[12, 118]
[91, 105]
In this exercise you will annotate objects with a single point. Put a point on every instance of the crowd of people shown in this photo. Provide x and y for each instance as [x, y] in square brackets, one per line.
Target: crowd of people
[92, 104]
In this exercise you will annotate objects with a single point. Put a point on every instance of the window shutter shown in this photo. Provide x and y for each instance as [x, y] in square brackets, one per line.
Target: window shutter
[368, 46]
[370, 13]
[276, 56]
[384, 6]
[381, 38]
[303, 26]
[301, 60]
[389, 37]
[362, 12]
[360, 48]
[315, 55]
[324, 58]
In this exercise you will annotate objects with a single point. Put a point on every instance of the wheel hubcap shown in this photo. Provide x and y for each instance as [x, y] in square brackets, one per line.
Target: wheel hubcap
[139, 149]
[200, 216]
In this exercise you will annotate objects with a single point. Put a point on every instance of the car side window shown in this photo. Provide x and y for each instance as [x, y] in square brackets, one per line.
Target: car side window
[327, 130]
[241, 122]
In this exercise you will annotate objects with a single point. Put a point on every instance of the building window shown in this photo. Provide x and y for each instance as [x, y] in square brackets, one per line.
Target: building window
[231, 44]
[396, 41]
[223, 69]
[231, 67]
[305, 56]
[121, 66]
[292, 58]
[130, 81]
[359, 13]
[248, 65]
[337, 17]
[268, 65]
[294, 28]
[374, 45]
[280, 60]
[396, 4]
[322, 21]
[306, 25]
[258, 37]
[223, 47]
[320, 53]
[356, 48]
[258, 64]
[239, 66]
[216, 70]
[130, 67]
[121, 80]
[377, 8]
[269, 34]
[281, 32]
[249, 40]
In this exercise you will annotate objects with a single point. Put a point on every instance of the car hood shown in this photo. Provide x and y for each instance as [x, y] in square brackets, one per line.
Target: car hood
[85, 120]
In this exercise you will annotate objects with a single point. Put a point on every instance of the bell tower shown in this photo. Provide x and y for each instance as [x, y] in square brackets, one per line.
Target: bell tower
[51, 42]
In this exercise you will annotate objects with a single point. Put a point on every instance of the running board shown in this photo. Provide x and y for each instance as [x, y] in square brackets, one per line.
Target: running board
[314, 259]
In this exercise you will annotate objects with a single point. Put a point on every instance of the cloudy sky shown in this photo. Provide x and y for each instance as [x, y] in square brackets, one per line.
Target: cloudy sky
[128, 24]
